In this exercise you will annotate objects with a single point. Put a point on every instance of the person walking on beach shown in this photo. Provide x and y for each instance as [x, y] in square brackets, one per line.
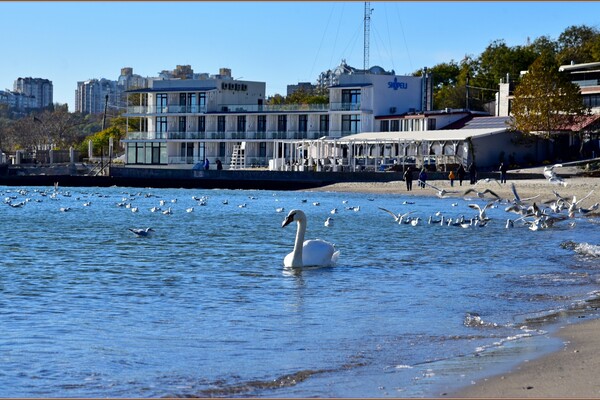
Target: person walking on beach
[461, 174]
[206, 164]
[473, 173]
[219, 164]
[408, 177]
[451, 176]
[422, 178]
[503, 170]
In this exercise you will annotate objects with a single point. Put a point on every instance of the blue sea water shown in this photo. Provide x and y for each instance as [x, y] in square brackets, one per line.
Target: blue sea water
[203, 307]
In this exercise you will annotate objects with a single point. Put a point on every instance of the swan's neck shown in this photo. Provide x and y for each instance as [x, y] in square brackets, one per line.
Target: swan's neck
[299, 243]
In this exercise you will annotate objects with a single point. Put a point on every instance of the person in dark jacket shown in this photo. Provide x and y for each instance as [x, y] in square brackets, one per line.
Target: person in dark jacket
[460, 172]
[503, 170]
[408, 177]
[473, 173]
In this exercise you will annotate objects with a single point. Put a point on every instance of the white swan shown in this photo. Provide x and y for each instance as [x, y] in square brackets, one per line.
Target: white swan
[309, 253]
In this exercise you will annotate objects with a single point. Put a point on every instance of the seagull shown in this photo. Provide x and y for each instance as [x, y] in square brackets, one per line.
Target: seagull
[482, 215]
[168, 211]
[517, 199]
[573, 204]
[488, 180]
[441, 193]
[334, 211]
[155, 209]
[328, 221]
[481, 195]
[588, 210]
[551, 175]
[398, 218]
[191, 209]
[141, 232]
[280, 209]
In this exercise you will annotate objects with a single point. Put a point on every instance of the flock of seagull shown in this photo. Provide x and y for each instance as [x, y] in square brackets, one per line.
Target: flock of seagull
[536, 215]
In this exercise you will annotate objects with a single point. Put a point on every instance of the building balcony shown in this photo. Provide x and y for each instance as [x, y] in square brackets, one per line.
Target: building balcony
[133, 111]
[235, 135]
[271, 108]
[344, 106]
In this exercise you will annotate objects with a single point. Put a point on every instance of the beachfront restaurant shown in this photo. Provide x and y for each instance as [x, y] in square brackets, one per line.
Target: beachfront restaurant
[440, 150]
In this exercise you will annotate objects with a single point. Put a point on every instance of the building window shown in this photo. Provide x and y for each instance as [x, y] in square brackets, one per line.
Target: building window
[281, 123]
[351, 99]
[303, 123]
[395, 126]
[161, 103]
[221, 123]
[261, 123]
[182, 124]
[241, 123]
[324, 123]
[161, 127]
[350, 124]
[384, 126]
[192, 103]
[431, 124]
[262, 149]
[222, 149]
[202, 124]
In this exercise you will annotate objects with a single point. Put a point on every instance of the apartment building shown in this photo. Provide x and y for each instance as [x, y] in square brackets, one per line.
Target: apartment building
[183, 121]
[41, 90]
[91, 96]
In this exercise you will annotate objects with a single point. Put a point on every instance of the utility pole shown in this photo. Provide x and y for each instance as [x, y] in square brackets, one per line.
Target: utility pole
[367, 33]
[105, 107]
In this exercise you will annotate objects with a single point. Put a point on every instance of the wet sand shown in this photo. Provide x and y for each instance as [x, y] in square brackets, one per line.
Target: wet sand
[571, 372]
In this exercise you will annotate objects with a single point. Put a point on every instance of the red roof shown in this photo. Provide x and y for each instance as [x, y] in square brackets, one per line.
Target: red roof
[580, 123]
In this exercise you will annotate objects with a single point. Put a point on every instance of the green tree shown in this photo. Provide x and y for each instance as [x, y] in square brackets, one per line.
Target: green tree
[545, 100]
[576, 44]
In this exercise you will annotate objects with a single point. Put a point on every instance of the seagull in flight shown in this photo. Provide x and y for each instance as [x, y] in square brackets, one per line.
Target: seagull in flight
[482, 214]
[551, 175]
[481, 195]
[441, 193]
[399, 218]
[518, 200]
[488, 180]
[573, 204]
[141, 232]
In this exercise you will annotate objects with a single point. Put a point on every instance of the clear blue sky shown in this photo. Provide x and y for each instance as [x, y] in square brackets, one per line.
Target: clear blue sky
[279, 43]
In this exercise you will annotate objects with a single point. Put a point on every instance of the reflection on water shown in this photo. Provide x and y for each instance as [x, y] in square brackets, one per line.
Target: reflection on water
[204, 307]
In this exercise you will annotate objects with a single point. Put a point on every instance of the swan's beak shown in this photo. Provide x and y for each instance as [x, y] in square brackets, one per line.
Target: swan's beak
[287, 220]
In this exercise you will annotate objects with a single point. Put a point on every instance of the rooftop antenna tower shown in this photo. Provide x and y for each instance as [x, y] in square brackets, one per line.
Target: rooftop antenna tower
[367, 28]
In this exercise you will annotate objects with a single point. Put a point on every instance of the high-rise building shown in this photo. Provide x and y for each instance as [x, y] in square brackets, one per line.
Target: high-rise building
[40, 89]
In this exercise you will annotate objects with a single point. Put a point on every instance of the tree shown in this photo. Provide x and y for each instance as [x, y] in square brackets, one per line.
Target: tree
[575, 44]
[545, 100]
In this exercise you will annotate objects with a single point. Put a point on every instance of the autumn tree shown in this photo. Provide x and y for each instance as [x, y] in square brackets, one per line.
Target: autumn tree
[545, 99]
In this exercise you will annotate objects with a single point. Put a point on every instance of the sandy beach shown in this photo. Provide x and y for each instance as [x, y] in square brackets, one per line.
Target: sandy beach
[571, 372]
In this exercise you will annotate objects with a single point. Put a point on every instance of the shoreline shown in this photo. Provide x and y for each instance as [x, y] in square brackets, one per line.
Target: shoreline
[569, 372]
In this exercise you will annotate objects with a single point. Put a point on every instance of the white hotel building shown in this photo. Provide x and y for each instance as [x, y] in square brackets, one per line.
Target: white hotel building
[184, 121]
